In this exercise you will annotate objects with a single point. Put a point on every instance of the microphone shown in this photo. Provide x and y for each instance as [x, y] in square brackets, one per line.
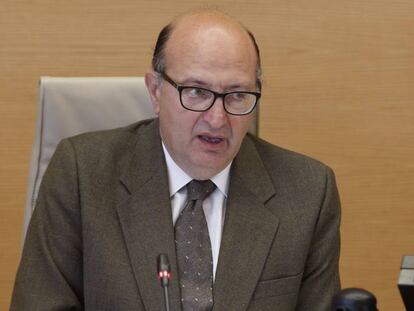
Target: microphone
[164, 274]
[354, 299]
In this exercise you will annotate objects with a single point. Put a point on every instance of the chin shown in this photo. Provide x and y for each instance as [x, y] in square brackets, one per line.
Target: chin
[207, 170]
[203, 174]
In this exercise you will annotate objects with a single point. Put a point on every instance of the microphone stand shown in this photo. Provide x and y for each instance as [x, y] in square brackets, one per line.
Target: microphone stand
[166, 301]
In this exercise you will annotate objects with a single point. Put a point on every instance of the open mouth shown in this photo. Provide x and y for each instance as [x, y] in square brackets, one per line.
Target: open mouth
[210, 139]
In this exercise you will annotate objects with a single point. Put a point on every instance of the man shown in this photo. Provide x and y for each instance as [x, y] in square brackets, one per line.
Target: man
[112, 201]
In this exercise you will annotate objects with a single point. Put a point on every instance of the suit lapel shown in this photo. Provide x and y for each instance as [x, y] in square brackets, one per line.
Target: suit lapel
[145, 216]
[248, 232]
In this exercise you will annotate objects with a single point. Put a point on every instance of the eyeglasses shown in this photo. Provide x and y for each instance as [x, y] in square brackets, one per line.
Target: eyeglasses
[200, 99]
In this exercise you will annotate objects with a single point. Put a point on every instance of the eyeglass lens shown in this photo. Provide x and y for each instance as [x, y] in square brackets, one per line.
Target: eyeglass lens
[199, 99]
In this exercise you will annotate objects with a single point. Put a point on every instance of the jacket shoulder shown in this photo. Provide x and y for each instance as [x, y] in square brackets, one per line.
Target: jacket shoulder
[107, 148]
[111, 137]
[280, 160]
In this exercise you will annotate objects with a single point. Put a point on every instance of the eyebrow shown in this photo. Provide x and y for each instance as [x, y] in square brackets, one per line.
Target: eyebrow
[203, 84]
[194, 82]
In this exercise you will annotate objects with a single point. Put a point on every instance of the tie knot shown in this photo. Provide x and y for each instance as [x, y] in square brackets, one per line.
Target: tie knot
[199, 189]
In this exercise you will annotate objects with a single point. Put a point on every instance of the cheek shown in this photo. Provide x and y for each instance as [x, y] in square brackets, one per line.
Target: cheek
[189, 122]
[179, 125]
[240, 127]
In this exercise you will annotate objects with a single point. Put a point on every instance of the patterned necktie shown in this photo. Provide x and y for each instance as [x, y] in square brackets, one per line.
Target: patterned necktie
[194, 257]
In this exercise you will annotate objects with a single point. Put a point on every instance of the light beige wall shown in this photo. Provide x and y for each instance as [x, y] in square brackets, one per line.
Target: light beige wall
[339, 79]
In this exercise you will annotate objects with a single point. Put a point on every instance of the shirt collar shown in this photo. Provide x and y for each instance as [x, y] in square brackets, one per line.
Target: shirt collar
[177, 178]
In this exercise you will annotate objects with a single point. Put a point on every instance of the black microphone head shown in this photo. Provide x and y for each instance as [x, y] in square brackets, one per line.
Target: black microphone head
[163, 263]
[354, 299]
[164, 273]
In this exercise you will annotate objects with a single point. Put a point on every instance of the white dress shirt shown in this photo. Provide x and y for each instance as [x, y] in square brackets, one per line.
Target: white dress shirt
[214, 205]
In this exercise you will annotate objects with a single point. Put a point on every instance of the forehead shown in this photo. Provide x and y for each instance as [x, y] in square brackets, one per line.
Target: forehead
[211, 46]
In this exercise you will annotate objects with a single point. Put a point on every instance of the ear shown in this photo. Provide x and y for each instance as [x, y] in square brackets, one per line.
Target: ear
[152, 81]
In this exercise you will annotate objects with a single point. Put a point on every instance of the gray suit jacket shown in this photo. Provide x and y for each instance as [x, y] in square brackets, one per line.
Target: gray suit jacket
[103, 215]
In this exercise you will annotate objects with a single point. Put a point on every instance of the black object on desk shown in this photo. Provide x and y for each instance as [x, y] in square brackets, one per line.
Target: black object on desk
[354, 299]
[406, 282]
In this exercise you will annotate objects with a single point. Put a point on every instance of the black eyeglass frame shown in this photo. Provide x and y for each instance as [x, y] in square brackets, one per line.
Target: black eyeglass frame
[180, 89]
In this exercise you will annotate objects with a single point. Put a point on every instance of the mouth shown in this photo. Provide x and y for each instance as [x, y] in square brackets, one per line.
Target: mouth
[211, 139]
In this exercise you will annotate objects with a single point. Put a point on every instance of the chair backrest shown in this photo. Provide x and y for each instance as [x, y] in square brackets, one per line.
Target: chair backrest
[70, 106]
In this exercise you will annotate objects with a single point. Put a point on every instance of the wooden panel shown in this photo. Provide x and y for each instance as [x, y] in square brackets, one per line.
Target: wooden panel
[340, 89]
[338, 86]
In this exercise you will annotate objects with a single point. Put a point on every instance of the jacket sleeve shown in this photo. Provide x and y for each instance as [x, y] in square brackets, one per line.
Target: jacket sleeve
[50, 273]
[321, 275]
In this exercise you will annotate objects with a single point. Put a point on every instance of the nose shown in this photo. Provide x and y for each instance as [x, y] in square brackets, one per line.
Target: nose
[216, 116]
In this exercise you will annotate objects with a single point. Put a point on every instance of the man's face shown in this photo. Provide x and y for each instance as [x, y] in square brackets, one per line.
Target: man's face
[216, 58]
